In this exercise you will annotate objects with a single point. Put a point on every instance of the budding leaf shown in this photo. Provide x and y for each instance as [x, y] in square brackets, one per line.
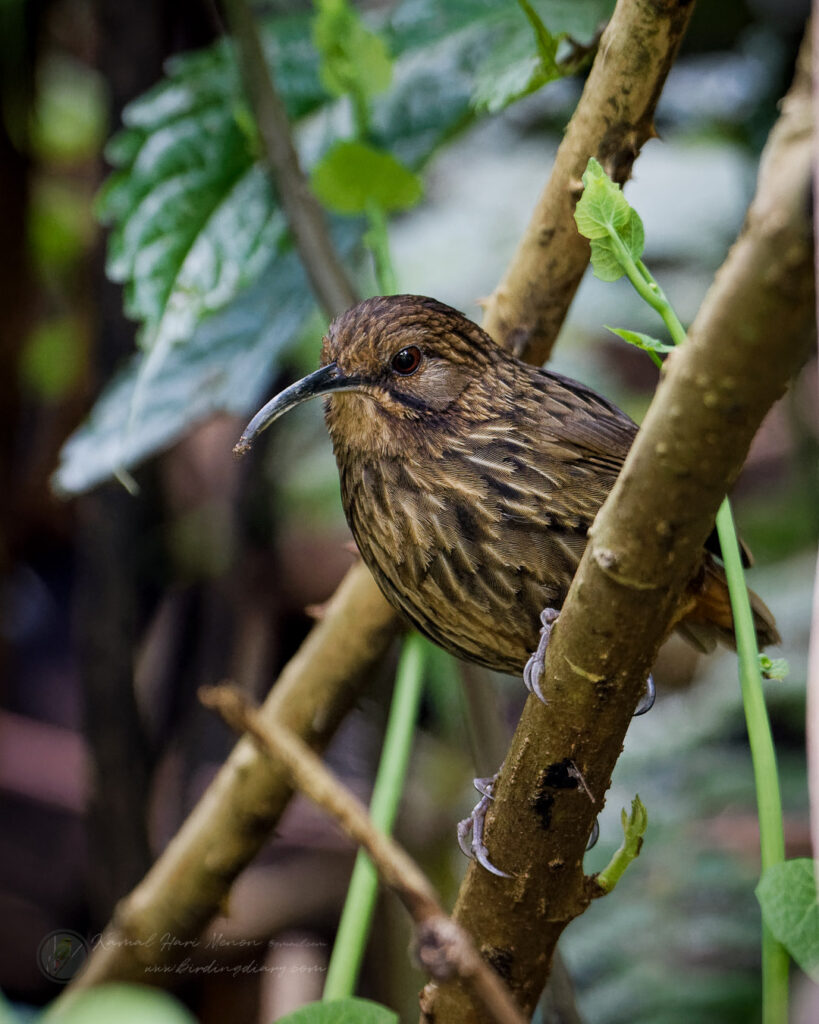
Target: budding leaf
[351, 175]
[604, 216]
[634, 828]
[773, 668]
[643, 341]
[787, 896]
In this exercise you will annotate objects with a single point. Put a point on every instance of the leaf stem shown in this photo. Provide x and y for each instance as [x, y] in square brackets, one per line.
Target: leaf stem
[354, 927]
[377, 241]
[649, 290]
[763, 755]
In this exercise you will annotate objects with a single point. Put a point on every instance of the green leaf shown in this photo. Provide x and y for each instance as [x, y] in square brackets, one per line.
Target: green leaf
[512, 69]
[520, 74]
[602, 210]
[194, 220]
[643, 341]
[604, 216]
[351, 175]
[354, 59]
[546, 42]
[125, 1004]
[224, 367]
[605, 260]
[342, 1011]
[787, 896]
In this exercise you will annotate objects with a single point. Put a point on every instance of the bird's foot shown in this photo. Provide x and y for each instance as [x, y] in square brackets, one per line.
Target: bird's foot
[533, 670]
[470, 830]
[648, 698]
[595, 835]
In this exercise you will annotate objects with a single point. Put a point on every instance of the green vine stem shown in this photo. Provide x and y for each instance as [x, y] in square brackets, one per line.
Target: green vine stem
[354, 927]
[769, 803]
[377, 241]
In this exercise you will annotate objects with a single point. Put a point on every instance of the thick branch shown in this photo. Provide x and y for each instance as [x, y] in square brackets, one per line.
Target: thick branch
[613, 120]
[305, 217]
[444, 948]
[752, 333]
[191, 880]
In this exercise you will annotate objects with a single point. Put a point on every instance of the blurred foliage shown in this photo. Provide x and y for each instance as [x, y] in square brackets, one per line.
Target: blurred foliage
[351, 175]
[51, 361]
[69, 119]
[342, 1011]
[197, 233]
[123, 1004]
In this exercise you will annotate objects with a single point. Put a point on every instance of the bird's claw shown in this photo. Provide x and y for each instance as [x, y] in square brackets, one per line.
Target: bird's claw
[648, 698]
[533, 670]
[474, 824]
[594, 836]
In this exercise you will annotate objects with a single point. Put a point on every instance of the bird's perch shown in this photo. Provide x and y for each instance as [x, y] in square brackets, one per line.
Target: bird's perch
[752, 333]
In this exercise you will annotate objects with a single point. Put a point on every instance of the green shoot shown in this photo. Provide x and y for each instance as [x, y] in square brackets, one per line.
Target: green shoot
[354, 927]
[634, 827]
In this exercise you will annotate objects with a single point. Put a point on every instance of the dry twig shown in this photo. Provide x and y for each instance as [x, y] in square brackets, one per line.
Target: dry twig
[444, 949]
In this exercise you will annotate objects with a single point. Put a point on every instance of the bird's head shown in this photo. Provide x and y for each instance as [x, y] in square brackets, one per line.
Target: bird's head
[387, 364]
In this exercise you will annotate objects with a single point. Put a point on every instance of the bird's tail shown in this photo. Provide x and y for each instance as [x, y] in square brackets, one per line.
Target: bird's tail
[709, 619]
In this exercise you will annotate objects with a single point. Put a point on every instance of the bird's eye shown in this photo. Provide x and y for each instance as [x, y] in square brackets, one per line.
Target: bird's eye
[407, 360]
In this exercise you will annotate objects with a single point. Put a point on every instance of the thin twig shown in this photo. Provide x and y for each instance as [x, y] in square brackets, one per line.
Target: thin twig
[305, 216]
[444, 948]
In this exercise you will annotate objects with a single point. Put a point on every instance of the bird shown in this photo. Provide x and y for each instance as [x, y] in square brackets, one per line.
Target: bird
[470, 479]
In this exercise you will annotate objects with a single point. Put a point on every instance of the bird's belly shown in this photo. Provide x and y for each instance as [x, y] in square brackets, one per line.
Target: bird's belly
[470, 582]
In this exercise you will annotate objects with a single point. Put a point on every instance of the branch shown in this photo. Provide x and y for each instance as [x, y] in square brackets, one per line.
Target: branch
[752, 333]
[305, 216]
[190, 881]
[443, 948]
[613, 120]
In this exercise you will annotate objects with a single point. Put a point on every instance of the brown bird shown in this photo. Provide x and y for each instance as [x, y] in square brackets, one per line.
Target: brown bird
[470, 479]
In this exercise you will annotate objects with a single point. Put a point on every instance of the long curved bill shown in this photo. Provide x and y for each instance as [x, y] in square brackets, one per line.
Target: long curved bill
[324, 381]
